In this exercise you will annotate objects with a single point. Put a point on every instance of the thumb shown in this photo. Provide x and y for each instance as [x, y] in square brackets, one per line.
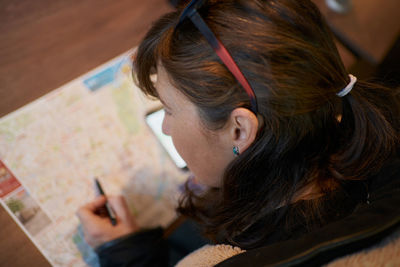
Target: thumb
[97, 203]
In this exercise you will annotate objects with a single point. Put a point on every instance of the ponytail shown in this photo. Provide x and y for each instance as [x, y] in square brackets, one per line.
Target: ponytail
[370, 131]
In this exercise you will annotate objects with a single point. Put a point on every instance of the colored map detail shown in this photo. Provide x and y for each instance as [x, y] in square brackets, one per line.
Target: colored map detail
[91, 127]
[8, 182]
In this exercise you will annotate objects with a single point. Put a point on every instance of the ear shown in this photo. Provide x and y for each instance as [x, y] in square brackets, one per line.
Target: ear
[243, 128]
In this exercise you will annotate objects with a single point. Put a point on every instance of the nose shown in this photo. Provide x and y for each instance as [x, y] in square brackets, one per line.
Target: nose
[165, 126]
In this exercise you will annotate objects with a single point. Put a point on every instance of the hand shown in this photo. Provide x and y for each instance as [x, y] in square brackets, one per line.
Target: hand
[97, 227]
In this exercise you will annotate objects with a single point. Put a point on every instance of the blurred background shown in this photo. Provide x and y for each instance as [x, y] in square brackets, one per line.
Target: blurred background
[46, 43]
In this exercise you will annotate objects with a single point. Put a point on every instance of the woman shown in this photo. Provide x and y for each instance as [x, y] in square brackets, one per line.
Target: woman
[285, 140]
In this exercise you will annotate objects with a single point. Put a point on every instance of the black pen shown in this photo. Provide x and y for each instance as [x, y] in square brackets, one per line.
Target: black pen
[110, 212]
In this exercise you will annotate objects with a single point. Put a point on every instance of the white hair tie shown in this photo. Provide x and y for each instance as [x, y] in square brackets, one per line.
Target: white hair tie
[348, 88]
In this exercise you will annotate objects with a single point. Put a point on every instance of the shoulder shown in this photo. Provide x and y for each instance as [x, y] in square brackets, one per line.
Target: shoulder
[209, 255]
[384, 253]
[370, 234]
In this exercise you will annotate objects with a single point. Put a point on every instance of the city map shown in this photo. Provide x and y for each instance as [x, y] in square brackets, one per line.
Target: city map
[52, 148]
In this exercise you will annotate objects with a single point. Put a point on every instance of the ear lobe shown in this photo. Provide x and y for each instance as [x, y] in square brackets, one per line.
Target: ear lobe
[244, 126]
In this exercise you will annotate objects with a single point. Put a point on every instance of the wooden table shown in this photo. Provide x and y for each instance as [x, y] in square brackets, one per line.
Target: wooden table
[46, 43]
[43, 45]
[368, 30]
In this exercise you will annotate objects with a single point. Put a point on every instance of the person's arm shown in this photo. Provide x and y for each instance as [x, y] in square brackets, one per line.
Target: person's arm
[144, 248]
[121, 244]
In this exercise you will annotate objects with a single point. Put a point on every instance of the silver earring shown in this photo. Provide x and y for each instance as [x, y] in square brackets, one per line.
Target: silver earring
[236, 150]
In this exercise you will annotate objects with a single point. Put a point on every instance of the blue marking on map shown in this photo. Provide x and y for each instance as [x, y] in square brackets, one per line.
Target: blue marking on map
[88, 254]
[102, 77]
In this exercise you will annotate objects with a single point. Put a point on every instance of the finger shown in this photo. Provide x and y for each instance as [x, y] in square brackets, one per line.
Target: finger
[119, 205]
[92, 224]
[97, 203]
[86, 215]
[89, 210]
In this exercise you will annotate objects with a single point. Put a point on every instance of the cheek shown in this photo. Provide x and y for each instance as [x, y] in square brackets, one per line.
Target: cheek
[203, 159]
[182, 141]
[185, 140]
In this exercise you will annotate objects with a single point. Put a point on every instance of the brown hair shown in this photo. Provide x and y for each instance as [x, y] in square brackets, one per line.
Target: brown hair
[286, 52]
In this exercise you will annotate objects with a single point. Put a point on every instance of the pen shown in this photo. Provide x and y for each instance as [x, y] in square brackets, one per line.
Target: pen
[110, 212]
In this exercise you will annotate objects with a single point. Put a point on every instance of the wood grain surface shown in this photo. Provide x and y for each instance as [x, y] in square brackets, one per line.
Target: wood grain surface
[16, 249]
[46, 43]
[371, 27]
[43, 45]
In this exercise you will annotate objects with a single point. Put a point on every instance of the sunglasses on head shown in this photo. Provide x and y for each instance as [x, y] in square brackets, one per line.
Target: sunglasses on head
[190, 12]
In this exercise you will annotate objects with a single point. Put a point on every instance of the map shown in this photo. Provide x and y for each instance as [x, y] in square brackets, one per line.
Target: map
[52, 148]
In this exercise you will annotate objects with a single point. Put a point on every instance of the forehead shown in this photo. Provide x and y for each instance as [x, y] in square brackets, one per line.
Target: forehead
[169, 94]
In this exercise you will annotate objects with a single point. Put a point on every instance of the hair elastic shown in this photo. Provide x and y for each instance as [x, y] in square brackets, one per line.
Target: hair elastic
[348, 88]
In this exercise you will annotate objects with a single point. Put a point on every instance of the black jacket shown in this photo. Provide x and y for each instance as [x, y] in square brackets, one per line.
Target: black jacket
[367, 224]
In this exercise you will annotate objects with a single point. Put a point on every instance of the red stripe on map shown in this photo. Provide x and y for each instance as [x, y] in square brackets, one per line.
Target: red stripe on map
[8, 182]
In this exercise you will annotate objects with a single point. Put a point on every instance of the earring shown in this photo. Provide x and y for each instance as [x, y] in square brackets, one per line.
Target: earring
[236, 150]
